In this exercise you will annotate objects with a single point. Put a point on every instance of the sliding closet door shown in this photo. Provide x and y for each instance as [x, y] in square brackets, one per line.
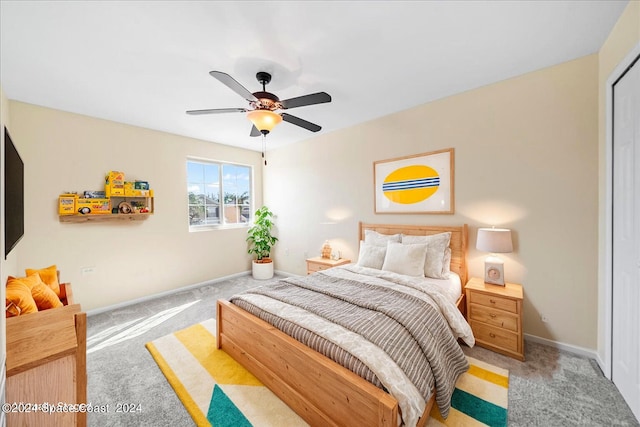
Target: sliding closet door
[626, 237]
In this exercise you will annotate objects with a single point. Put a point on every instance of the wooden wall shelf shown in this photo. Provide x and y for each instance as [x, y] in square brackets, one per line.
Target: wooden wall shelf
[105, 217]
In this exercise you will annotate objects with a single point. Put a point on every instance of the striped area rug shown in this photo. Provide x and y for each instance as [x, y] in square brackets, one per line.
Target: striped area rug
[219, 392]
[479, 399]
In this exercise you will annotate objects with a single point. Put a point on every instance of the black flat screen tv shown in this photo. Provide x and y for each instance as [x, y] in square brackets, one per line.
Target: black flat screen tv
[13, 195]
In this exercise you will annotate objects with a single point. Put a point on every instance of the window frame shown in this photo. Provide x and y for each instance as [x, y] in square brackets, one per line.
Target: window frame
[221, 165]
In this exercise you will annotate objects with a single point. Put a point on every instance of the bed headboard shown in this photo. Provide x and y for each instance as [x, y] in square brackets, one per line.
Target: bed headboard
[458, 240]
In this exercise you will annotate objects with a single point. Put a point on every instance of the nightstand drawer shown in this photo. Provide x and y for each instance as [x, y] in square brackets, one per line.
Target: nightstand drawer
[495, 336]
[493, 317]
[319, 264]
[312, 266]
[494, 302]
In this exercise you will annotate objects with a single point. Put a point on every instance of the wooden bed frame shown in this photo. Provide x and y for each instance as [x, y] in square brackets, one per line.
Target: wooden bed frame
[318, 389]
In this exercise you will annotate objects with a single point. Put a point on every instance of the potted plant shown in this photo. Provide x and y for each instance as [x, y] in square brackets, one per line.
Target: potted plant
[260, 243]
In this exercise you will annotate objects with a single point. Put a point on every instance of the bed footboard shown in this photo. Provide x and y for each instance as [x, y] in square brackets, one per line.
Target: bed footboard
[319, 390]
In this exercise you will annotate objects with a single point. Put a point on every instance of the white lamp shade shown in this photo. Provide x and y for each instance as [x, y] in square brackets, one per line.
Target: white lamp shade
[494, 240]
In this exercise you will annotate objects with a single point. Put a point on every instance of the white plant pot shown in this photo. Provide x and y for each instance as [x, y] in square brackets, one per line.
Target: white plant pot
[262, 270]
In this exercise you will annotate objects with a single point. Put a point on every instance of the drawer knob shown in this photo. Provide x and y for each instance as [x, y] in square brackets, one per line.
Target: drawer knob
[492, 335]
[492, 315]
[492, 301]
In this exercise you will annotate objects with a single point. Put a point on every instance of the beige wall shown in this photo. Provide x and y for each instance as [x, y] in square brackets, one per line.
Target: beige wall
[69, 152]
[526, 158]
[7, 266]
[622, 39]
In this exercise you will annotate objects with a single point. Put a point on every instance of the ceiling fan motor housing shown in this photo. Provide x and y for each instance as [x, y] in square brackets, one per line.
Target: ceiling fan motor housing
[267, 101]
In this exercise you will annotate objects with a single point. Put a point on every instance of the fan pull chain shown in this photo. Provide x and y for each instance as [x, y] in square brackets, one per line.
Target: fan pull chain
[264, 144]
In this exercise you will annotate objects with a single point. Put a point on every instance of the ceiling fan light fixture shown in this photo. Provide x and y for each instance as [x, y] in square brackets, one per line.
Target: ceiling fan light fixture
[263, 104]
[264, 120]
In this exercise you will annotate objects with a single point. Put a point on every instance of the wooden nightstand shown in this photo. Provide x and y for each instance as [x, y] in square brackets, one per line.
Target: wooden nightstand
[495, 315]
[319, 263]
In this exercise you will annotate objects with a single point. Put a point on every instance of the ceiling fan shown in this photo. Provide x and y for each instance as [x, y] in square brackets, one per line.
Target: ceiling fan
[263, 105]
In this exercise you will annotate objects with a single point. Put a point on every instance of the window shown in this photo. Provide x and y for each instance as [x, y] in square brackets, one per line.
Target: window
[219, 194]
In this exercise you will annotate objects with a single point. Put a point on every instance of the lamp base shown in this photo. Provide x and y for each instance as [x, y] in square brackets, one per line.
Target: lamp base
[494, 271]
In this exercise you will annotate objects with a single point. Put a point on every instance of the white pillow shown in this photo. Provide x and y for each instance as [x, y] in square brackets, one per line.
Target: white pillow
[436, 265]
[405, 259]
[371, 256]
[446, 263]
[378, 239]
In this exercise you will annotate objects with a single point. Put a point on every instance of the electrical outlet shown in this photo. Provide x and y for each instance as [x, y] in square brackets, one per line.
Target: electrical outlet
[87, 271]
[305, 254]
[544, 318]
[286, 252]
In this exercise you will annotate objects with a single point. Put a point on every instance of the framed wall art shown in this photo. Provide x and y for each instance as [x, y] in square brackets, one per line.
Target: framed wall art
[418, 184]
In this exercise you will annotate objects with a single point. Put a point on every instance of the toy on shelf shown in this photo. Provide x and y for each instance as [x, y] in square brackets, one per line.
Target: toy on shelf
[120, 198]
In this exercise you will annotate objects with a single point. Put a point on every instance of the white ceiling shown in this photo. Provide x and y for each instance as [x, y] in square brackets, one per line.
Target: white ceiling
[146, 62]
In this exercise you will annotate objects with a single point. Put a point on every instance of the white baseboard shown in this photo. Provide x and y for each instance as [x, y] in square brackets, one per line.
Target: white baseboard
[580, 351]
[284, 273]
[163, 294]
[601, 365]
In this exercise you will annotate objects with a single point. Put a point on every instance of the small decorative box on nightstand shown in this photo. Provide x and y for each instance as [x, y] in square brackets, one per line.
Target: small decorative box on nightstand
[495, 315]
[319, 263]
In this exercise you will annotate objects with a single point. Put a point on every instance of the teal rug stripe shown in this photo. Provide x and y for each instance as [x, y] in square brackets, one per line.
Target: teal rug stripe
[223, 412]
[483, 411]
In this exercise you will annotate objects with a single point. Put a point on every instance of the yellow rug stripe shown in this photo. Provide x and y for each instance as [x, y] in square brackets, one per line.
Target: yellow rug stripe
[488, 367]
[202, 345]
[182, 393]
[191, 374]
[489, 376]
[455, 419]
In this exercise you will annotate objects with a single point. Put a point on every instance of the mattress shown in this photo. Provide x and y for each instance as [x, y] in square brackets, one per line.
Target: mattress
[452, 286]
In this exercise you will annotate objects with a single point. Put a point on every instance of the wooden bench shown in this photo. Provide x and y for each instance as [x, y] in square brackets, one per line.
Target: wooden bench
[47, 362]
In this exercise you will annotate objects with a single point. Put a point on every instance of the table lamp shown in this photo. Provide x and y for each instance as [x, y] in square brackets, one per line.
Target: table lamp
[494, 240]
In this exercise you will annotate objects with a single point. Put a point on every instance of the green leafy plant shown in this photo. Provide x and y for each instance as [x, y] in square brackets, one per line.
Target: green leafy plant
[260, 238]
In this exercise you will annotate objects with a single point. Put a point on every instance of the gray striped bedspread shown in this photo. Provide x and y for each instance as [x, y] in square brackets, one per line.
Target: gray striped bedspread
[397, 332]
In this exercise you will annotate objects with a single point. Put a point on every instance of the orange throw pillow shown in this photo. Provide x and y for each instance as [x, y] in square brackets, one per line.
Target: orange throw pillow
[30, 280]
[49, 276]
[44, 297]
[19, 294]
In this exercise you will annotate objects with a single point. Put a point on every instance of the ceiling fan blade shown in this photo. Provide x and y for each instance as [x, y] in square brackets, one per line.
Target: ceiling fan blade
[232, 84]
[300, 122]
[217, 111]
[301, 101]
[254, 131]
